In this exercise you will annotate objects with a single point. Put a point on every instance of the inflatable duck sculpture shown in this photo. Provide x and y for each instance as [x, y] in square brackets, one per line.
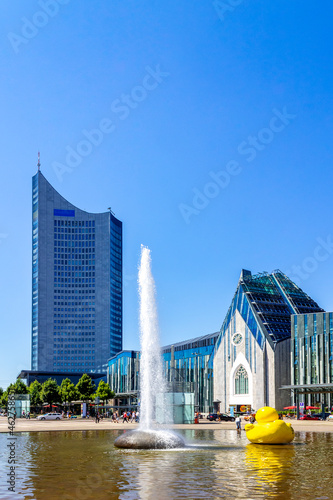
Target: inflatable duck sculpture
[269, 429]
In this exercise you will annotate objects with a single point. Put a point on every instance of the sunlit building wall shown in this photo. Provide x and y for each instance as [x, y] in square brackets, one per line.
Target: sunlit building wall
[251, 359]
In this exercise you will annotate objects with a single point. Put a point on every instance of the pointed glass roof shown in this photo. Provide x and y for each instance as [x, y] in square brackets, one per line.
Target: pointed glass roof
[266, 302]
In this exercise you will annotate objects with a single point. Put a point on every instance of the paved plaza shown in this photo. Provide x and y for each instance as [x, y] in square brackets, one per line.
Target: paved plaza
[33, 425]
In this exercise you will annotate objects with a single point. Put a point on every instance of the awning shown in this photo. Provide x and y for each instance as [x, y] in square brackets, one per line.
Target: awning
[309, 388]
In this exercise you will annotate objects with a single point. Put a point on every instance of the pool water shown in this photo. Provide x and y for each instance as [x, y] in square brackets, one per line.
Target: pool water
[83, 465]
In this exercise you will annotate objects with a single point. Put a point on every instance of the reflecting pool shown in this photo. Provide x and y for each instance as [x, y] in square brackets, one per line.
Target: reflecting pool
[83, 465]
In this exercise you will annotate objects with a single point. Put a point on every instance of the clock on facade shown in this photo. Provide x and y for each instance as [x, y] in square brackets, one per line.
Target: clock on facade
[237, 339]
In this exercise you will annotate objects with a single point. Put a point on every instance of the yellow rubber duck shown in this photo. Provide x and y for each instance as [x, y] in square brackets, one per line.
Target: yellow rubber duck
[269, 429]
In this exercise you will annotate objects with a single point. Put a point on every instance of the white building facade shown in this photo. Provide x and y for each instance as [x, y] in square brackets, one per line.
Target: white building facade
[252, 354]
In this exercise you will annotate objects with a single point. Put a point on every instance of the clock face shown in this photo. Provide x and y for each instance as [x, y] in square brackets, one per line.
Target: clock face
[237, 339]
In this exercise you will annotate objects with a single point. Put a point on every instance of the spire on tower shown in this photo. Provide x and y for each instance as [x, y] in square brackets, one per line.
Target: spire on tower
[38, 164]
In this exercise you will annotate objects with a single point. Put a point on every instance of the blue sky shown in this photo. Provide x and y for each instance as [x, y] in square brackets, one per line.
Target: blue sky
[219, 159]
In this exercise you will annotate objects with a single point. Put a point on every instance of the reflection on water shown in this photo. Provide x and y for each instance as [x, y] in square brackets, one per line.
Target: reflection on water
[268, 465]
[216, 464]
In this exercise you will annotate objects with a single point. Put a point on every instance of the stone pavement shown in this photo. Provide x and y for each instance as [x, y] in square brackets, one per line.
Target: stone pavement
[33, 425]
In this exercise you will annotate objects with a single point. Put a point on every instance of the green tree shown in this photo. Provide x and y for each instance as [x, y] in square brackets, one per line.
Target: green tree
[35, 391]
[50, 392]
[86, 387]
[4, 400]
[104, 392]
[18, 387]
[68, 392]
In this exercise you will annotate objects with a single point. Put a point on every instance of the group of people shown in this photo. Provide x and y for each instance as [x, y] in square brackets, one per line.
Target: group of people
[130, 417]
[25, 415]
[127, 416]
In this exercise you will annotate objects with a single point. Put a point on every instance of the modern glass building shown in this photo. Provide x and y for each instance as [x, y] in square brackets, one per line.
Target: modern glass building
[251, 359]
[187, 369]
[123, 373]
[76, 284]
[312, 355]
[185, 366]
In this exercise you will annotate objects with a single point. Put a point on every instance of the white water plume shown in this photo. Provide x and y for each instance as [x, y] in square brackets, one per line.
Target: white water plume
[152, 382]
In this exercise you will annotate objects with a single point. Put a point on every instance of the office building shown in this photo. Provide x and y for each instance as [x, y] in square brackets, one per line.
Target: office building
[185, 366]
[187, 369]
[312, 358]
[76, 284]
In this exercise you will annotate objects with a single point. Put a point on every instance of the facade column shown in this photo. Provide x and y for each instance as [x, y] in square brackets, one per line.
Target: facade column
[297, 403]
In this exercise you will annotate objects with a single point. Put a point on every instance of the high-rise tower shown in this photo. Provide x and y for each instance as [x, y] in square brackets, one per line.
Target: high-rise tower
[76, 284]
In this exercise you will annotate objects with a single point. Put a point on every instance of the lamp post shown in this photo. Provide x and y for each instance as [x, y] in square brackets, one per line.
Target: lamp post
[196, 382]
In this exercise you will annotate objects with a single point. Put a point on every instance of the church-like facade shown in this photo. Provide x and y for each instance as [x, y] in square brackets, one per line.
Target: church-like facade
[252, 356]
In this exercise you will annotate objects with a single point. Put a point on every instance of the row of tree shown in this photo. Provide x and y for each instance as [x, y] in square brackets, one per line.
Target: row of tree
[50, 392]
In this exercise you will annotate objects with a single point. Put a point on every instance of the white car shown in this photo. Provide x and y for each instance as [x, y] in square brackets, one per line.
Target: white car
[50, 416]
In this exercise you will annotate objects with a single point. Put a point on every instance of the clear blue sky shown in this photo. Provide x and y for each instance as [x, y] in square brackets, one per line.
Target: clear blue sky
[223, 81]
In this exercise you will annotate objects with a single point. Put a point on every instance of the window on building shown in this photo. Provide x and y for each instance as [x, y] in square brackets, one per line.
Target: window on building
[241, 381]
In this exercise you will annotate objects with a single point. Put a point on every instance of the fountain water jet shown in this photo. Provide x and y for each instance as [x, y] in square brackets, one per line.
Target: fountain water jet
[152, 382]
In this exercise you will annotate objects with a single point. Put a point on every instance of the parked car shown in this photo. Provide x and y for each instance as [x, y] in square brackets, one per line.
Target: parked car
[212, 416]
[226, 418]
[320, 415]
[50, 416]
[220, 417]
[309, 417]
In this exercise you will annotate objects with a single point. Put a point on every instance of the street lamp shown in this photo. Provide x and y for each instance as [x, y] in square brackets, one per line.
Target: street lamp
[196, 382]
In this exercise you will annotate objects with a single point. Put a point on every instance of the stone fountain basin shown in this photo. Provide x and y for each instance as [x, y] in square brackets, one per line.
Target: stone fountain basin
[149, 440]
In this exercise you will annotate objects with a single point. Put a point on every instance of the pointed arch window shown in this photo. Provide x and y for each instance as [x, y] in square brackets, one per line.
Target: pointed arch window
[241, 381]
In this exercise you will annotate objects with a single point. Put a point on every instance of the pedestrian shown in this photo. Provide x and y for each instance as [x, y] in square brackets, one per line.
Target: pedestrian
[133, 417]
[97, 417]
[124, 417]
[28, 415]
[137, 415]
[238, 423]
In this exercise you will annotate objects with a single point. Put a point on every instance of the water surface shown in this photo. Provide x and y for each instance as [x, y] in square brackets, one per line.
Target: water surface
[83, 465]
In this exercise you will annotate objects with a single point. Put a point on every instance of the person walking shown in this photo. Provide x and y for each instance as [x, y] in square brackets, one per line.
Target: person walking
[238, 423]
[133, 417]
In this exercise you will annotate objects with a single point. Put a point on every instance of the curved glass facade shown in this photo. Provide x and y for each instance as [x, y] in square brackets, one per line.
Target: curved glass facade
[76, 284]
[185, 366]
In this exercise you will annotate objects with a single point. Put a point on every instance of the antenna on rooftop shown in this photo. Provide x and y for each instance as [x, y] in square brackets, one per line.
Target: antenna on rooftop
[109, 209]
[38, 164]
